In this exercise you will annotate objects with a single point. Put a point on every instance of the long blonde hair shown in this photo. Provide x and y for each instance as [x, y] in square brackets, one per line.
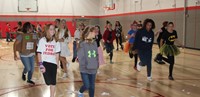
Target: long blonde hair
[66, 33]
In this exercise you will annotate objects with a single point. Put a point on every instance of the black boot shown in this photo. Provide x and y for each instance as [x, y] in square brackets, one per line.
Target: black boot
[23, 76]
[171, 78]
[73, 60]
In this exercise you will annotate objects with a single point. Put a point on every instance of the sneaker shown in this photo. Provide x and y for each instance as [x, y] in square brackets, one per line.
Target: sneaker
[135, 68]
[161, 62]
[111, 62]
[23, 76]
[80, 94]
[122, 47]
[171, 78]
[149, 79]
[73, 60]
[64, 75]
[139, 66]
[131, 54]
[31, 82]
[155, 59]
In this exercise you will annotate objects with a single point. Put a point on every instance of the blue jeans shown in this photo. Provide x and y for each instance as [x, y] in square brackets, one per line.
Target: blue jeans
[74, 49]
[145, 58]
[28, 63]
[8, 38]
[88, 83]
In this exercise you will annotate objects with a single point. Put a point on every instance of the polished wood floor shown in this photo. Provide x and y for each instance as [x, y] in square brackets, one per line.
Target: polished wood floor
[116, 80]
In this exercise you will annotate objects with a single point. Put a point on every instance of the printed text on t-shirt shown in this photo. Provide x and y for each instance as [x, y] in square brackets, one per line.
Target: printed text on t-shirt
[49, 50]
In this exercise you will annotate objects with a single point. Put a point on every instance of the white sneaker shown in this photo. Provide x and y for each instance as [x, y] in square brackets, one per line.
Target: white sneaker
[64, 75]
[80, 94]
[149, 79]
[138, 66]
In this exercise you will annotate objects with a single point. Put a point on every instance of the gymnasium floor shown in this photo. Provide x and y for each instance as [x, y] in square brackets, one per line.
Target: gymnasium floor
[116, 80]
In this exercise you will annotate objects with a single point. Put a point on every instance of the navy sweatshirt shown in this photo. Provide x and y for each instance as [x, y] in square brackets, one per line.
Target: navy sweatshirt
[144, 40]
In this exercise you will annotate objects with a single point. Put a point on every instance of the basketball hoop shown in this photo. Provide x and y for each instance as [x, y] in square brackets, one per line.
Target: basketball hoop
[28, 9]
[105, 9]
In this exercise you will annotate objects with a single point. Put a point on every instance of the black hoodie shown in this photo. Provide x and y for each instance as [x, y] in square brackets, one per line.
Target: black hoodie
[144, 40]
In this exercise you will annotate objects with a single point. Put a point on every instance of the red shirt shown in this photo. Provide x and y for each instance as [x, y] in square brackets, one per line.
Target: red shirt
[7, 29]
[109, 35]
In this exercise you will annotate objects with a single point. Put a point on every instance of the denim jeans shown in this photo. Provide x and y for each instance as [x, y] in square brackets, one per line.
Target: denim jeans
[88, 83]
[28, 63]
[74, 49]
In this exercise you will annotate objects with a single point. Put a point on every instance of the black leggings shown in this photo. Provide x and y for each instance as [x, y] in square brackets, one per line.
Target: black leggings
[119, 41]
[136, 59]
[170, 60]
[159, 55]
[111, 55]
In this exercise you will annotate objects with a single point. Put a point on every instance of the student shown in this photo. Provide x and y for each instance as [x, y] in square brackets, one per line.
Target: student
[158, 57]
[118, 30]
[139, 26]
[38, 28]
[25, 44]
[77, 37]
[8, 30]
[143, 44]
[131, 36]
[168, 48]
[109, 37]
[57, 24]
[106, 26]
[19, 26]
[48, 56]
[88, 60]
[0, 33]
[98, 37]
[64, 37]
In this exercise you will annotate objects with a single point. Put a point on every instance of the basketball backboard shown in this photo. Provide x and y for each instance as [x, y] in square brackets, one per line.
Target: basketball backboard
[27, 5]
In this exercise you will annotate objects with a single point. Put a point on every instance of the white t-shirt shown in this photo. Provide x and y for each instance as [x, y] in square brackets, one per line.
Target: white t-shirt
[77, 34]
[48, 50]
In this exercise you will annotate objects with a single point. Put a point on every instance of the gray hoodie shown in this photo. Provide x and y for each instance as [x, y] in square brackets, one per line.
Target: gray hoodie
[88, 57]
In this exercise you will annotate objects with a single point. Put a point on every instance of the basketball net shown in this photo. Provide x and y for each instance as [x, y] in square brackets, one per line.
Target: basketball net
[28, 9]
[106, 9]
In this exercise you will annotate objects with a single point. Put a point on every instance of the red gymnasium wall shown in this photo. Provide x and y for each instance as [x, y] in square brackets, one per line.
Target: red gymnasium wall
[13, 24]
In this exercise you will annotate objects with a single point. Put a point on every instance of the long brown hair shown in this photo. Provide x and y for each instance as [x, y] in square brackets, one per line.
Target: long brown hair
[47, 34]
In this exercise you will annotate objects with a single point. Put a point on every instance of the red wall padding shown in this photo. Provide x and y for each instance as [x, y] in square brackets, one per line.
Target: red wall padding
[71, 26]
